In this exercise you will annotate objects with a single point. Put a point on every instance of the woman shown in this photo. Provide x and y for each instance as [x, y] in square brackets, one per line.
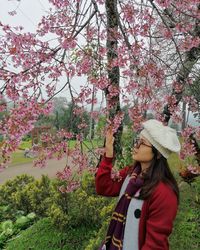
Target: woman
[148, 193]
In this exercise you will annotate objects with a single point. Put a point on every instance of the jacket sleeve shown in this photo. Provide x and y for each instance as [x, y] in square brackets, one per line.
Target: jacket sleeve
[162, 212]
[104, 184]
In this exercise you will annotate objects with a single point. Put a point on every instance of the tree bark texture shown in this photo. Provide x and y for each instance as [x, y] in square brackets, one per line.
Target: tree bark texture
[113, 72]
[190, 60]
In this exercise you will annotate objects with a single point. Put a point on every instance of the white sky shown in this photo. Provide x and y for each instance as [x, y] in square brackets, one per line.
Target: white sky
[29, 13]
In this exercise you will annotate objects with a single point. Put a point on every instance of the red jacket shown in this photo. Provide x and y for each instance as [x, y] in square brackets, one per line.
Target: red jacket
[158, 212]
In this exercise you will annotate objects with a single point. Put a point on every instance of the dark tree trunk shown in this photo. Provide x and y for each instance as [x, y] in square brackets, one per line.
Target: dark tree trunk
[184, 116]
[113, 72]
[92, 123]
[190, 59]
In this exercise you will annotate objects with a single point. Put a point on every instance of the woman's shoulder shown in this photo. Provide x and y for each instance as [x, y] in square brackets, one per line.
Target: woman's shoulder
[164, 192]
[163, 187]
[162, 202]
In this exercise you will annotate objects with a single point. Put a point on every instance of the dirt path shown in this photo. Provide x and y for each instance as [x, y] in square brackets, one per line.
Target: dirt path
[51, 169]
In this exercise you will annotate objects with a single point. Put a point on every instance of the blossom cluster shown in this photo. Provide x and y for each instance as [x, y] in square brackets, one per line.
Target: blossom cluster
[190, 173]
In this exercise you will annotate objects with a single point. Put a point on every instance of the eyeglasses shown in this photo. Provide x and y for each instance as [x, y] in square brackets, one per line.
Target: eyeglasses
[138, 142]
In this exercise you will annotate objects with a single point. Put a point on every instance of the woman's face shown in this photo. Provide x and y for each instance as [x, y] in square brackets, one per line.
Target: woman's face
[142, 150]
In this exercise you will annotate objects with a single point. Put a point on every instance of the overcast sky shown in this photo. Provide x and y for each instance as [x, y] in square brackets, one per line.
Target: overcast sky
[28, 14]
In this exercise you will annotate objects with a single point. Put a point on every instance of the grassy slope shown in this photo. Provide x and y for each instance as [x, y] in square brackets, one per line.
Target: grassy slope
[42, 235]
[18, 158]
[18, 155]
[186, 229]
[187, 224]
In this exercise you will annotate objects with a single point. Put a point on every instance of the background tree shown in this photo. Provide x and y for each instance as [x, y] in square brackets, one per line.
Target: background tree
[62, 117]
[72, 122]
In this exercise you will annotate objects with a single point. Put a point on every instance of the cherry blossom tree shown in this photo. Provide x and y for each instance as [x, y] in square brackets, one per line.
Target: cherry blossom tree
[140, 53]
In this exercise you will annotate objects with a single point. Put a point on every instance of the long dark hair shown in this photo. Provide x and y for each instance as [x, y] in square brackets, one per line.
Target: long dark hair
[158, 171]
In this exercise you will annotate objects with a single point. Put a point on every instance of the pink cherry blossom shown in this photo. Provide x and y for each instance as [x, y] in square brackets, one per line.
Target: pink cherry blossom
[155, 49]
[194, 170]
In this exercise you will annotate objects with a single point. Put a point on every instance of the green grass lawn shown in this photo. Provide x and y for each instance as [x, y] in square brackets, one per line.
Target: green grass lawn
[87, 144]
[18, 156]
[25, 144]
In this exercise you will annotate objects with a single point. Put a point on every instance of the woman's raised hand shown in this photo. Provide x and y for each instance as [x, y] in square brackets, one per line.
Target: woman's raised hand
[109, 142]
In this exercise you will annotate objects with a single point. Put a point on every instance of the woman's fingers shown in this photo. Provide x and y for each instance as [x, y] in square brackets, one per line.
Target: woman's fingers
[109, 129]
[109, 134]
[109, 141]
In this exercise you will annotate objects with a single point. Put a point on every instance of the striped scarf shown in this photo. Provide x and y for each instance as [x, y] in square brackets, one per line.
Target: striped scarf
[115, 233]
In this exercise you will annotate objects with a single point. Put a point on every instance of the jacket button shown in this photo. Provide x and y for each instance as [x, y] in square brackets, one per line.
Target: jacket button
[137, 213]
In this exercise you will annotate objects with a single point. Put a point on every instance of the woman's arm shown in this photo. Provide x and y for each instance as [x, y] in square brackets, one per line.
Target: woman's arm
[162, 212]
[104, 184]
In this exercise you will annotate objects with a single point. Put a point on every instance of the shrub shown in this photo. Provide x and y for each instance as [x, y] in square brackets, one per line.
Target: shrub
[6, 225]
[58, 217]
[8, 190]
[23, 195]
[33, 196]
[79, 207]
[22, 222]
[65, 210]
[31, 216]
[9, 228]
[5, 213]
[57, 197]
[105, 216]
[88, 183]
[84, 206]
[7, 231]
[85, 209]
